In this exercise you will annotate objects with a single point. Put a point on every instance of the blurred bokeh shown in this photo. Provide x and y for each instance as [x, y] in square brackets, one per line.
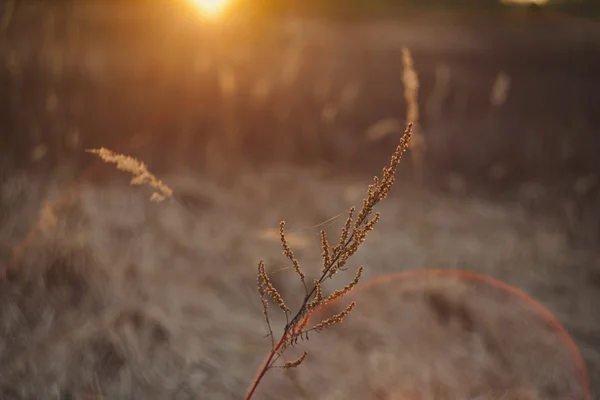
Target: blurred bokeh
[264, 110]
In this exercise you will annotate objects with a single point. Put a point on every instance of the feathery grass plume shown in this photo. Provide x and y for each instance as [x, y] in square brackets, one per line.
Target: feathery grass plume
[262, 290]
[318, 293]
[336, 319]
[352, 236]
[141, 175]
[410, 80]
[266, 287]
[287, 251]
[295, 363]
[340, 292]
[325, 247]
[345, 231]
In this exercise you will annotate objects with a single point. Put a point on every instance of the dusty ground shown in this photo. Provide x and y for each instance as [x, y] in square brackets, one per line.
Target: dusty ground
[129, 298]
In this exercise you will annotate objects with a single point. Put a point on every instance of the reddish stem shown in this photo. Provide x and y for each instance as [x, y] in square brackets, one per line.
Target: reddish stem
[265, 367]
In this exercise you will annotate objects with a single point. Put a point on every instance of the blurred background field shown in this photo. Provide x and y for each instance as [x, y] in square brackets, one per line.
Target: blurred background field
[268, 113]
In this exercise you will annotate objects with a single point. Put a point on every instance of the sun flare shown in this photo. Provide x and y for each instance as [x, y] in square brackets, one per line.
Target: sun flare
[210, 7]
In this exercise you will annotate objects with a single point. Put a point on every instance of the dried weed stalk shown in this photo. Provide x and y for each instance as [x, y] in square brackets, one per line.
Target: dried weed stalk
[334, 259]
[141, 175]
[410, 80]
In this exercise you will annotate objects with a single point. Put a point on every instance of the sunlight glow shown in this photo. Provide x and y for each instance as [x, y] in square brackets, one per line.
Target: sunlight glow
[525, 2]
[211, 8]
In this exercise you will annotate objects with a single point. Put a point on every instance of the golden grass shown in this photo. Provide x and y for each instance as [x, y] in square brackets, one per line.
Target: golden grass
[141, 175]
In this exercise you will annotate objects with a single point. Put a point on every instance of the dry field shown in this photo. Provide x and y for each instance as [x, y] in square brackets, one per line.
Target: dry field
[116, 297]
[120, 297]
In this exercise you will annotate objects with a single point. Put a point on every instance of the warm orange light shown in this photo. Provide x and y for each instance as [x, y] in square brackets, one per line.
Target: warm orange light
[525, 2]
[210, 8]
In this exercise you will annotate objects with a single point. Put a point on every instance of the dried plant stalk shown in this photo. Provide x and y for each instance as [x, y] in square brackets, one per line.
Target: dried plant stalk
[352, 235]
